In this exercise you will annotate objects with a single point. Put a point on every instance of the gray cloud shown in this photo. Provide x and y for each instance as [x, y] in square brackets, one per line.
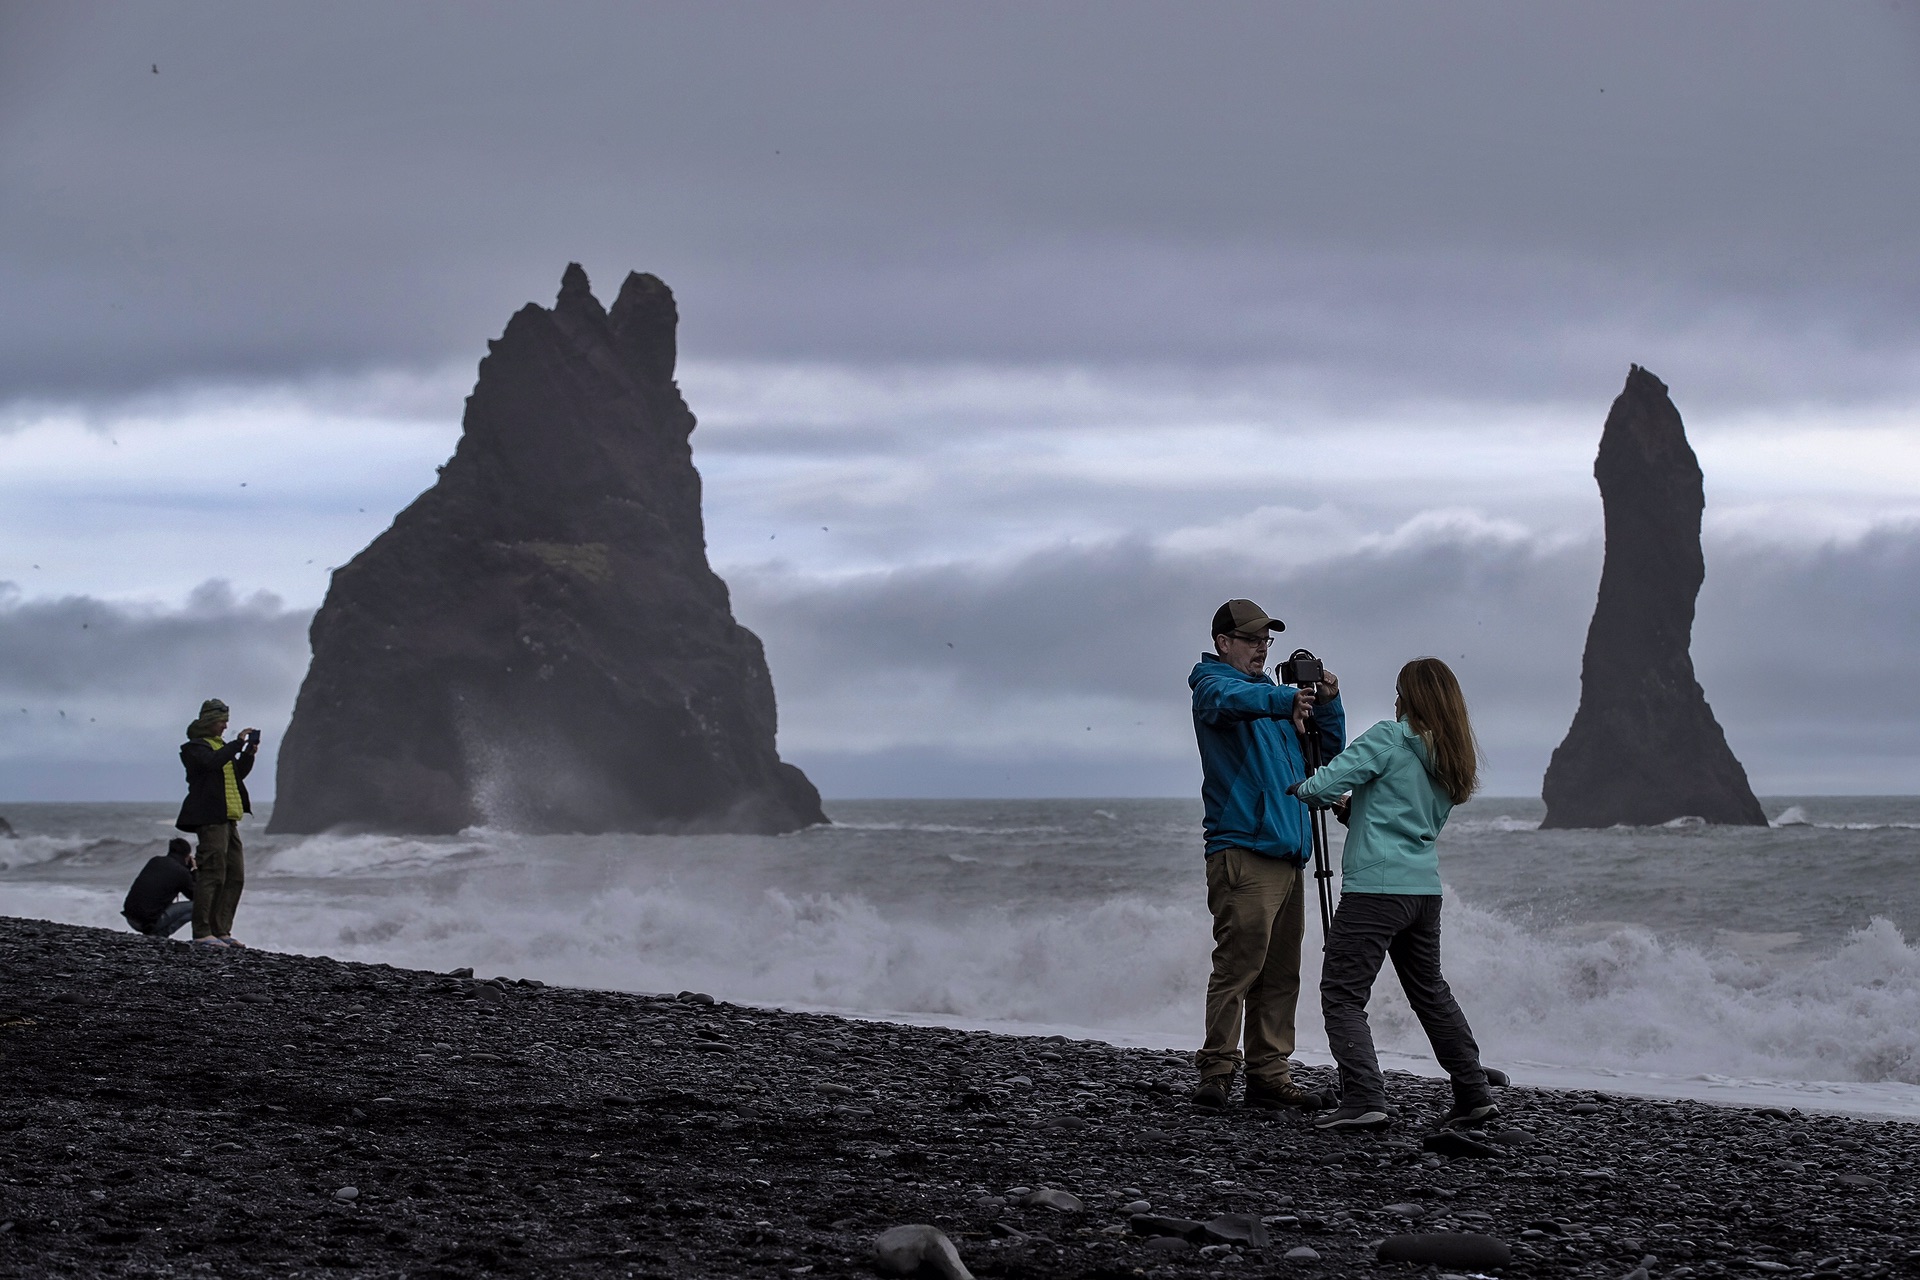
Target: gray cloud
[1063, 672]
[1077, 657]
[1479, 196]
[1168, 250]
[1811, 660]
[95, 696]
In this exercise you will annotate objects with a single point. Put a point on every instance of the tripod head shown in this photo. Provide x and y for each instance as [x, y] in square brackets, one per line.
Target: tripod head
[1302, 669]
[1304, 672]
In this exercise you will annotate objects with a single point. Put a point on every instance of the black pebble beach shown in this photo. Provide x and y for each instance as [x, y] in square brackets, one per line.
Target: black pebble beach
[171, 1112]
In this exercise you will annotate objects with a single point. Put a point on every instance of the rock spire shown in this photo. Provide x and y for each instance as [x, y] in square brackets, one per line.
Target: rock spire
[537, 643]
[1644, 747]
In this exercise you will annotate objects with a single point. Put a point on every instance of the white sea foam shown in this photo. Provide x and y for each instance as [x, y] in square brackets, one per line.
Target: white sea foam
[1867, 826]
[1621, 1000]
[336, 855]
[951, 829]
[1796, 816]
[1499, 823]
[924, 928]
[1625, 1001]
[1628, 1000]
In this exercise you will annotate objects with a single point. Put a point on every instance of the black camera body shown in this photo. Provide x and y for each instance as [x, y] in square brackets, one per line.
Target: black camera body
[1302, 669]
[253, 739]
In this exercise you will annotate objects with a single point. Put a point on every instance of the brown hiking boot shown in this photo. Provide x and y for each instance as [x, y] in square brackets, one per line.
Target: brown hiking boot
[1212, 1093]
[1278, 1095]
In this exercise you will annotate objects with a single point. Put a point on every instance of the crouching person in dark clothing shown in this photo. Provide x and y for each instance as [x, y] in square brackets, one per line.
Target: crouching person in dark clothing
[150, 907]
[216, 801]
[1406, 775]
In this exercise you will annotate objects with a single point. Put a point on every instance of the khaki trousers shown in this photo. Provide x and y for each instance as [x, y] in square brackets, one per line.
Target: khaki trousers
[1258, 919]
[221, 874]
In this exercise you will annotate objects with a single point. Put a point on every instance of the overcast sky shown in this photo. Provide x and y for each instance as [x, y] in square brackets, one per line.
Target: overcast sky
[1020, 335]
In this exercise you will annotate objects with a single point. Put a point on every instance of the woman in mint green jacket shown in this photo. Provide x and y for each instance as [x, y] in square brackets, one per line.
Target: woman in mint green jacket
[1406, 774]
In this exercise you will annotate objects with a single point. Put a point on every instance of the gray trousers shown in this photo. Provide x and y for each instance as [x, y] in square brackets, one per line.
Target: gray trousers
[1367, 929]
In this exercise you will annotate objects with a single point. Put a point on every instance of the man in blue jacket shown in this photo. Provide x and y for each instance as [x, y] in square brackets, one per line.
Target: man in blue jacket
[1258, 842]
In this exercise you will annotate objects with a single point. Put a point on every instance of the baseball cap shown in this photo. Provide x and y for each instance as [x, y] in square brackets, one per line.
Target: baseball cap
[1243, 618]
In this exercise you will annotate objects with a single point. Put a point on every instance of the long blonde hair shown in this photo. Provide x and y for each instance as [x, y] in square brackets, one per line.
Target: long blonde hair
[1433, 707]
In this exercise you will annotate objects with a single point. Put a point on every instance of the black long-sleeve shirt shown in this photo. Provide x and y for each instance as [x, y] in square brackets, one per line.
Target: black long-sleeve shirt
[163, 879]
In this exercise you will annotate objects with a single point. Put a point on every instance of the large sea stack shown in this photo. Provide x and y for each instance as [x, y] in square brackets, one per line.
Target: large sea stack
[538, 643]
[1644, 747]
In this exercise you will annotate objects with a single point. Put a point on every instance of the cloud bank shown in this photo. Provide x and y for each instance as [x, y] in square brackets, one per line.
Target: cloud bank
[95, 696]
[1032, 331]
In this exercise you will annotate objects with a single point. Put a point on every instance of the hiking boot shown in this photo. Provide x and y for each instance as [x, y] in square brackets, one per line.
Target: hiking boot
[212, 943]
[1352, 1119]
[1212, 1093]
[1470, 1115]
[1279, 1095]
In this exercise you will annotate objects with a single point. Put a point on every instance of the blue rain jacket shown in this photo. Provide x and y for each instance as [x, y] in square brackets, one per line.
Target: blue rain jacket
[1250, 755]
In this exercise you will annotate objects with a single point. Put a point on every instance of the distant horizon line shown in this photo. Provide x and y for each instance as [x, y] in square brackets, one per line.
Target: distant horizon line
[1194, 796]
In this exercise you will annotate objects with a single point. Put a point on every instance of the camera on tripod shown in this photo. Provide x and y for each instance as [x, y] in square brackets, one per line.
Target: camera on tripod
[1302, 669]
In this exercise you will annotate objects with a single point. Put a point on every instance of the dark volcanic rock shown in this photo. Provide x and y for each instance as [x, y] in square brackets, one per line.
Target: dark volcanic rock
[538, 642]
[1447, 1249]
[1644, 747]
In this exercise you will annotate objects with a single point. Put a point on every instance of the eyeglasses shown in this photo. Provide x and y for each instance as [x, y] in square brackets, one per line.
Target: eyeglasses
[1261, 642]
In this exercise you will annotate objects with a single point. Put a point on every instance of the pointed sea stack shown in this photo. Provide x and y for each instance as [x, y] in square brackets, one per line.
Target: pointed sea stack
[537, 643]
[1644, 747]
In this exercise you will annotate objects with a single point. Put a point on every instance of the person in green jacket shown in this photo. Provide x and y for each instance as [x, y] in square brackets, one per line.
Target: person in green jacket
[1406, 774]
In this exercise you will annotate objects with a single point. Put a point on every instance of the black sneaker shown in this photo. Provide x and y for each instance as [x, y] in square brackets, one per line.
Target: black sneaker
[1470, 1115]
[1212, 1093]
[1352, 1119]
[1282, 1095]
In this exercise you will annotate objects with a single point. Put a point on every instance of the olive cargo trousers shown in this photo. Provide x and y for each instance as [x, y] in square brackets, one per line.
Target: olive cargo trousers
[1258, 918]
[221, 874]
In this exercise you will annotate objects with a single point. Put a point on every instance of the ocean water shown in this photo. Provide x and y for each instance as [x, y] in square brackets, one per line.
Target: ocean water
[1761, 966]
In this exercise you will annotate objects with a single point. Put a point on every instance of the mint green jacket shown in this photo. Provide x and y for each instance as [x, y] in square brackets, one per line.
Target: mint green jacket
[1398, 810]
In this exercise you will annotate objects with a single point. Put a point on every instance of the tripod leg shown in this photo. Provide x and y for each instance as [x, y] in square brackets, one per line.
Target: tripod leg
[1322, 873]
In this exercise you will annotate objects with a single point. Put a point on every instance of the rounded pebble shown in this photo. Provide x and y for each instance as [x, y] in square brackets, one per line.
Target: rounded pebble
[1058, 1201]
[1303, 1254]
[917, 1247]
[347, 1193]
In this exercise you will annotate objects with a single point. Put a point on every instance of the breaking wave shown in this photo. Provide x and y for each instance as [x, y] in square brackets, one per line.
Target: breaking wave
[1098, 927]
[28, 851]
[1619, 998]
[1796, 816]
